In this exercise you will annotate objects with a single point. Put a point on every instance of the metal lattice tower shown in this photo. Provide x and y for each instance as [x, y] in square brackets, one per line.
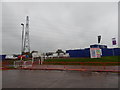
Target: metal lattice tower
[26, 47]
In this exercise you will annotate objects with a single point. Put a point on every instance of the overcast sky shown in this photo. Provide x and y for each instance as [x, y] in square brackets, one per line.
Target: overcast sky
[59, 25]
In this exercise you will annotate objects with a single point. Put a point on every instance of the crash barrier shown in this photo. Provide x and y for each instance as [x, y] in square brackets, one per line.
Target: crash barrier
[39, 60]
[21, 63]
[24, 64]
[18, 64]
[6, 64]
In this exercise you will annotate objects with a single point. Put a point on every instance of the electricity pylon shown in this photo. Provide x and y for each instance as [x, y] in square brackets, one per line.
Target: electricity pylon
[26, 48]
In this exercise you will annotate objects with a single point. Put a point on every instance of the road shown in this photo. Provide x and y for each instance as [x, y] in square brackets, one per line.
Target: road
[58, 79]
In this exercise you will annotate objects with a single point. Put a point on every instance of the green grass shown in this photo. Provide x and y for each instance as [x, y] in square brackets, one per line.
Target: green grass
[103, 59]
[11, 67]
[56, 60]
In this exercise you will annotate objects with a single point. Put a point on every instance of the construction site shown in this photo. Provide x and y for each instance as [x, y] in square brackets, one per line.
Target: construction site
[97, 55]
[95, 66]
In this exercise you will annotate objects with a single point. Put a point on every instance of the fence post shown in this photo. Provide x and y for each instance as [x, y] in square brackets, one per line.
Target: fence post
[14, 64]
[32, 60]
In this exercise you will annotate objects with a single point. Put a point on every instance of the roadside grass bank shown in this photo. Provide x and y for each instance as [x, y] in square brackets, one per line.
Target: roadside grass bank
[107, 60]
[102, 59]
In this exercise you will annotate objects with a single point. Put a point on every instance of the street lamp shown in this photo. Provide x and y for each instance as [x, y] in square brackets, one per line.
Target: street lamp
[22, 50]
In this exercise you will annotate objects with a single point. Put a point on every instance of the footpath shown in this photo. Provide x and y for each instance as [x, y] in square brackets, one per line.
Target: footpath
[73, 67]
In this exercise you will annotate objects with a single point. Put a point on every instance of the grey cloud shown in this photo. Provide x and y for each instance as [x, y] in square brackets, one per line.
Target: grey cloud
[59, 25]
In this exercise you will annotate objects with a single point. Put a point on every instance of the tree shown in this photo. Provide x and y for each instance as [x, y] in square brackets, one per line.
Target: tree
[49, 53]
[59, 51]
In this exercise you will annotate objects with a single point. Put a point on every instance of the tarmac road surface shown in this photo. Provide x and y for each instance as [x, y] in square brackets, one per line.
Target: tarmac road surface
[58, 79]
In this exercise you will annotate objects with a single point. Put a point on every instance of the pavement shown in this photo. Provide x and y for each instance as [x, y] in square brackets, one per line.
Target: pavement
[73, 67]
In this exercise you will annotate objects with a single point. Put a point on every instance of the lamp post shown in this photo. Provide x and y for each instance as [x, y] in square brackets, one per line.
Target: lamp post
[22, 50]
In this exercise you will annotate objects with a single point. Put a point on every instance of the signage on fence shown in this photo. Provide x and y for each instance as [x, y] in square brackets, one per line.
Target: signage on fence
[95, 52]
[113, 41]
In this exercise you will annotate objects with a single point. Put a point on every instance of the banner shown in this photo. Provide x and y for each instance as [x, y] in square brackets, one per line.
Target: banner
[113, 41]
[95, 52]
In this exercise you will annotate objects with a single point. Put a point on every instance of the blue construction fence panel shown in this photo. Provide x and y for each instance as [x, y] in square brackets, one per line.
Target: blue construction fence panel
[107, 52]
[117, 51]
[2, 57]
[79, 53]
[111, 52]
[86, 52]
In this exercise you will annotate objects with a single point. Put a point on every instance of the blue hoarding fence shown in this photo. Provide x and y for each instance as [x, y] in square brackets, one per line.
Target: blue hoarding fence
[86, 52]
[2, 57]
[79, 53]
